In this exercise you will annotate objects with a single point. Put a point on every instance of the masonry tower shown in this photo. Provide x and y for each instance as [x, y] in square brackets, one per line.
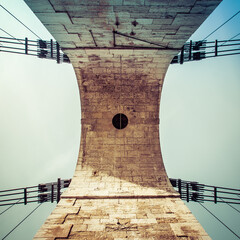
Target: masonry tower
[120, 51]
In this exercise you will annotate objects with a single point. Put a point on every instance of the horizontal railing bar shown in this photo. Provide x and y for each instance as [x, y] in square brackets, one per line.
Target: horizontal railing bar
[221, 51]
[10, 194]
[205, 185]
[7, 204]
[207, 200]
[18, 53]
[34, 45]
[7, 200]
[14, 189]
[12, 199]
[219, 41]
[205, 57]
[23, 49]
[224, 45]
[230, 54]
[18, 39]
[212, 190]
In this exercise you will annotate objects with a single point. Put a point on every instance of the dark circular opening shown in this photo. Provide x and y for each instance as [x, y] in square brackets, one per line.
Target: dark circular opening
[120, 121]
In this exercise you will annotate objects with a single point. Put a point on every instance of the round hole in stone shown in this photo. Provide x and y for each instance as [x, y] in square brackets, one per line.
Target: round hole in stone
[120, 121]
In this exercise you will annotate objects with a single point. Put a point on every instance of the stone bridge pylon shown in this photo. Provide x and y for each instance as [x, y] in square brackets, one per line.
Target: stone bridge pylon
[120, 51]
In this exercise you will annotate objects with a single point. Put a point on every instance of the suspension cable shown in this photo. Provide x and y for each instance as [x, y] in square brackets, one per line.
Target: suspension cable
[10, 206]
[10, 35]
[229, 39]
[230, 205]
[222, 25]
[220, 221]
[20, 21]
[22, 220]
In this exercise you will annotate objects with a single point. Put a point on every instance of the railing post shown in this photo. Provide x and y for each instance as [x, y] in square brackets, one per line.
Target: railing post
[51, 48]
[52, 193]
[187, 192]
[215, 195]
[216, 47]
[190, 51]
[180, 187]
[26, 45]
[25, 196]
[58, 189]
[182, 55]
[58, 52]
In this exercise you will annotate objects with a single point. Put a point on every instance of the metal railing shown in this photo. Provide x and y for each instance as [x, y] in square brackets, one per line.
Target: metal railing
[188, 190]
[47, 192]
[39, 48]
[194, 191]
[191, 51]
[195, 51]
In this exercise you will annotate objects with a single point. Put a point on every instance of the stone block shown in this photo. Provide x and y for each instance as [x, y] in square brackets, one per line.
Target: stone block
[54, 18]
[188, 19]
[55, 231]
[40, 6]
[111, 2]
[133, 2]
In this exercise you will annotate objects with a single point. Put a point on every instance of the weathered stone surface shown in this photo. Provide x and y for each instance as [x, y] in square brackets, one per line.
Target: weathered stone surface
[129, 17]
[120, 188]
[139, 218]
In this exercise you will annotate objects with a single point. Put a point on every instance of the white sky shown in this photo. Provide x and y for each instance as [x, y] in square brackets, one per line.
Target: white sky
[40, 121]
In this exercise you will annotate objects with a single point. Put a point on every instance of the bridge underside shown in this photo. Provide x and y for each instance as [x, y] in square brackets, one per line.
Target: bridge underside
[120, 51]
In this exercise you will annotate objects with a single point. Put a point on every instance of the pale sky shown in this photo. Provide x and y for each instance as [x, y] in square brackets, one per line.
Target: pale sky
[40, 121]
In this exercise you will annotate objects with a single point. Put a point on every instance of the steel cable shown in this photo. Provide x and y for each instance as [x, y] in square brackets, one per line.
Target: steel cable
[19, 21]
[22, 220]
[229, 39]
[230, 205]
[10, 35]
[220, 221]
[222, 25]
[10, 206]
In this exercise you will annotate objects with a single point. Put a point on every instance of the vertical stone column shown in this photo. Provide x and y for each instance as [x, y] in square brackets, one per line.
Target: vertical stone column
[120, 188]
[120, 162]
